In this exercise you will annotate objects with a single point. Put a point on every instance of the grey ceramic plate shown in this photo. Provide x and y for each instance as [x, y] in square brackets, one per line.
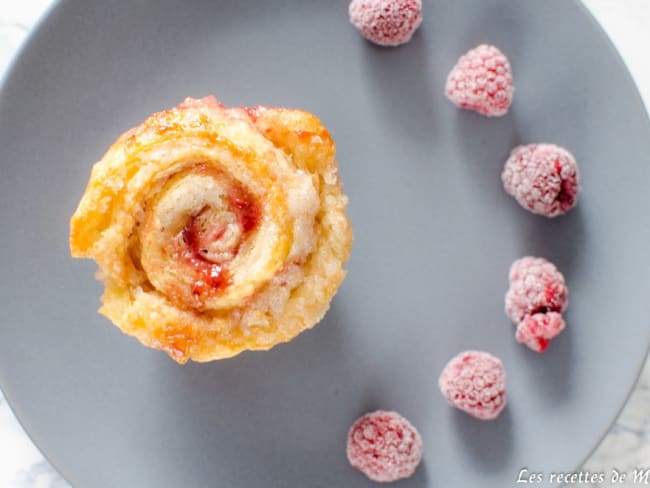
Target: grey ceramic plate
[435, 235]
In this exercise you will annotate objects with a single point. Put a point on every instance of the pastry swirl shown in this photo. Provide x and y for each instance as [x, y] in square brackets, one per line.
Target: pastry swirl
[216, 229]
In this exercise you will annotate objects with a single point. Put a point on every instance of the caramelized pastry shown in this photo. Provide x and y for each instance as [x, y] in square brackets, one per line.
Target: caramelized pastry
[216, 229]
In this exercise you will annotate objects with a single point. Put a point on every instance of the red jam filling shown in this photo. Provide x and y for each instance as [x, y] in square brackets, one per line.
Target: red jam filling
[215, 276]
[245, 208]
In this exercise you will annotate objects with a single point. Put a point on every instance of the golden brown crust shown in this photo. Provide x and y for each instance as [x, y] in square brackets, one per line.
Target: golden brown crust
[216, 230]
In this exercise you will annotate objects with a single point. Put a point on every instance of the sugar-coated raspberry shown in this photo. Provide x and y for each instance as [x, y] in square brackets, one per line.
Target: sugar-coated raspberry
[543, 178]
[482, 81]
[386, 22]
[538, 329]
[384, 446]
[535, 301]
[475, 382]
[536, 286]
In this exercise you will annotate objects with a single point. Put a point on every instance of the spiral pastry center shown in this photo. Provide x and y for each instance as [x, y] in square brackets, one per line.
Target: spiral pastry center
[212, 236]
[194, 232]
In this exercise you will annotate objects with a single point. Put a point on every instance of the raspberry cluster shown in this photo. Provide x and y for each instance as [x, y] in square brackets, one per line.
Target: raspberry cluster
[535, 300]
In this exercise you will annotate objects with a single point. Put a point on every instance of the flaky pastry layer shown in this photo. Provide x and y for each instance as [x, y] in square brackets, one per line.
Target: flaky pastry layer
[216, 229]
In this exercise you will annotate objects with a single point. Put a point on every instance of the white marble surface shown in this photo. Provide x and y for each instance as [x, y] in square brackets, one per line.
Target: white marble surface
[626, 447]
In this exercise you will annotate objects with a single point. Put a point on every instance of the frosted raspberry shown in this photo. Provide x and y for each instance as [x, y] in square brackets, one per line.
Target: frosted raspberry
[475, 382]
[537, 330]
[384, 446]
[386, 22]
[535, 301]
[536, 286]
[543, 178]
[481, 81]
